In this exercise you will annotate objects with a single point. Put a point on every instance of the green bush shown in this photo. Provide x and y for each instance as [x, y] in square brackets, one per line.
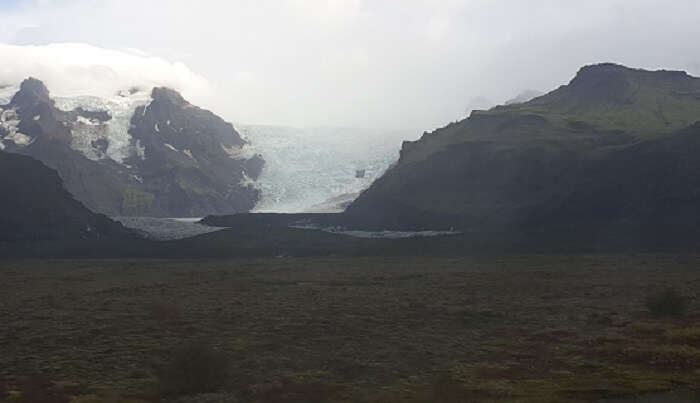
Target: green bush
[667, 303]
[194, 368]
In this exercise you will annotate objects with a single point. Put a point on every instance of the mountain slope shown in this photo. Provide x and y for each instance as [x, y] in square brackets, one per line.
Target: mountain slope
[554, 163]
[34, 206]
[138, 153]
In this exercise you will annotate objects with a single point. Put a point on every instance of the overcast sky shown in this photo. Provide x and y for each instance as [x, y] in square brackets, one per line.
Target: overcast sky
[388, 64]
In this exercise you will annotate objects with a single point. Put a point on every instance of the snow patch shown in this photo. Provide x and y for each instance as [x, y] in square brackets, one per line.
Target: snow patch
[85, 121]
[9, 120]
[8, 123]
[247, 181]
[20, 139]
[242, 133]
[140, 150]
[239, 153]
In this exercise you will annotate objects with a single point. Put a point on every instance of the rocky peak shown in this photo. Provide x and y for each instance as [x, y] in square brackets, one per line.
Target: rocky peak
[600, 82]
[163, 94]
[592, 71]
[614, 97]
[615, 75]
[31, 92]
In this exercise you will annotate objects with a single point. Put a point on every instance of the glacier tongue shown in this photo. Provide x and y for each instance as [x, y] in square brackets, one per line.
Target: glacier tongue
[85, 132]
[312, 169]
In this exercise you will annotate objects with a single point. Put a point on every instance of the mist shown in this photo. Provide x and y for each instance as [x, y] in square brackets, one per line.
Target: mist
[384, 65]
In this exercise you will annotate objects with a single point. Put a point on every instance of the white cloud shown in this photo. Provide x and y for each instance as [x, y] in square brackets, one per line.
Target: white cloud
[373, 63]
[70, 69]
[437, 28]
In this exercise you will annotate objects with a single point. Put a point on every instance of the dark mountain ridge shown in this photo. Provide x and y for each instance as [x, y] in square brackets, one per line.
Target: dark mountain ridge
[34, 206]
[611, 154]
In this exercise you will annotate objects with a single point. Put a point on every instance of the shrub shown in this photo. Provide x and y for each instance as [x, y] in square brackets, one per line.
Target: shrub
[667, 303]
[194, 368]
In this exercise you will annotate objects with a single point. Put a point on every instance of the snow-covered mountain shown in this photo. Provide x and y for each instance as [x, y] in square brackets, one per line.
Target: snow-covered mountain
[142, 151]
[316, 169]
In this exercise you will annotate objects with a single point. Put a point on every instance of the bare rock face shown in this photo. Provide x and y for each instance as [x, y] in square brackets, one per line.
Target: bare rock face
[35, 207]
[138, 153]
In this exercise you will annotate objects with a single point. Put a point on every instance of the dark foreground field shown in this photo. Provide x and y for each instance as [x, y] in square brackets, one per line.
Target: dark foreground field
[526, 329]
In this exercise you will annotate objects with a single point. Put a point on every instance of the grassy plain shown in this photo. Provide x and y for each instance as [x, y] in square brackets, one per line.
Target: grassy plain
[517, 328]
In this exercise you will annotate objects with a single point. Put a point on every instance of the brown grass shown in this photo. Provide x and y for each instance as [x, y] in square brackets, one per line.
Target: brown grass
[529, 329]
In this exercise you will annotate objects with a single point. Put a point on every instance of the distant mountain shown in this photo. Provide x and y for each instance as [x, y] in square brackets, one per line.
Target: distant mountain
[34, 206]
[613, 152]
[525, 96]
[138, 153]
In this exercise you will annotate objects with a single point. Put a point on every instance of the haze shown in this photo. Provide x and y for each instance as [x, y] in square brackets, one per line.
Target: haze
[392, 64]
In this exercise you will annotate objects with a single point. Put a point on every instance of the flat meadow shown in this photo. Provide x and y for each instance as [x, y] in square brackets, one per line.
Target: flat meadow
[496, 328]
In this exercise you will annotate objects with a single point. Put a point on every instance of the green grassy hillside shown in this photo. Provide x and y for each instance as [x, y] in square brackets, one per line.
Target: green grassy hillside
[493, 170]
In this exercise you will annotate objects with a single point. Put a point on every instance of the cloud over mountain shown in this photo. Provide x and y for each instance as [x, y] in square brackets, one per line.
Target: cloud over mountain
[72, 69]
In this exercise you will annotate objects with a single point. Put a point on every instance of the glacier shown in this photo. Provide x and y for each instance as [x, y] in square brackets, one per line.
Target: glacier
[121, 108]
[313, 169]
[306, 169]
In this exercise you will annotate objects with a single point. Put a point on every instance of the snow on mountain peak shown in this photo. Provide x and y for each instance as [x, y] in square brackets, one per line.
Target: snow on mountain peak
[120, 107]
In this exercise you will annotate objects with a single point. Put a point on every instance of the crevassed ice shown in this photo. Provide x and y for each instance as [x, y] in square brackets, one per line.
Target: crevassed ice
[85, 131]
[7, 92]
[121, 108]
[305, 168]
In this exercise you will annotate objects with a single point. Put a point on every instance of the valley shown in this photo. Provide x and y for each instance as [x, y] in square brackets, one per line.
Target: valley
[543, 250]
